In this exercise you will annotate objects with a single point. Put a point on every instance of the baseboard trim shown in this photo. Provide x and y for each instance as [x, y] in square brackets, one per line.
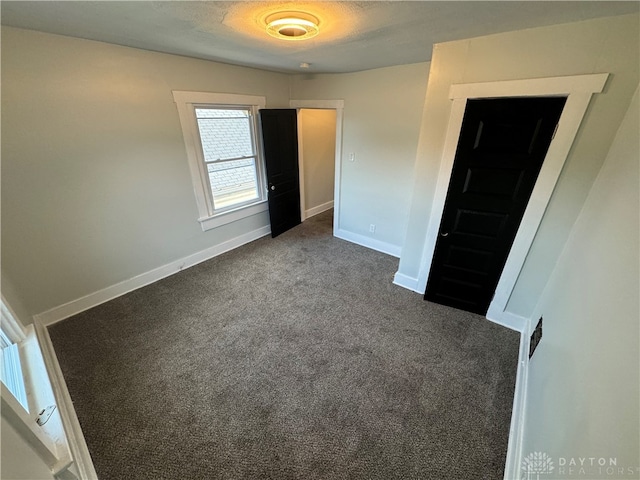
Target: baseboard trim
[405, 281]
[509, 320]
[384, 247]
[319, 209]
[94, 299]
[518, 412]
[516, 429]
[75, 439]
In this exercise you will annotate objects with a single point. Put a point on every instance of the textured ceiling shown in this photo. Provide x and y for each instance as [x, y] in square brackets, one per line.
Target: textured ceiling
[354, 35]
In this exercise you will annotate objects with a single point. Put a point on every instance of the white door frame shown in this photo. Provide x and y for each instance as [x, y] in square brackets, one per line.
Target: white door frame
[338, 106]
[578, 90]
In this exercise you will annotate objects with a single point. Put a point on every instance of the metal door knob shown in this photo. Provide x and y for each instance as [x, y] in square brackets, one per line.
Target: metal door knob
[273, 187]
[444, 234]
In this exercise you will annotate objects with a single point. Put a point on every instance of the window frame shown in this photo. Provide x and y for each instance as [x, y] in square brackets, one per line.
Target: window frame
[187, 102]
[22, 417]
[12, 369]
[254, 147]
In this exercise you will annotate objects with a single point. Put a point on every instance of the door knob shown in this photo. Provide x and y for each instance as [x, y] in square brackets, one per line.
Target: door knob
[444, 234]
[273, 187]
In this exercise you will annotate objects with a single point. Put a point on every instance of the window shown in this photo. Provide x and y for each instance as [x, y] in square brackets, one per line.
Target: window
[229, 154]
[11, 371]
[224, 156]
[26, 393]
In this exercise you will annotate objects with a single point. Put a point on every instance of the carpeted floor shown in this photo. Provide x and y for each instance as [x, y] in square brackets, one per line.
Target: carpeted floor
[289, 358]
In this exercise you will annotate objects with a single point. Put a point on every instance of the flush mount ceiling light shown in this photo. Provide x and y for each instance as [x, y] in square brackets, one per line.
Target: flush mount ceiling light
[292, 25]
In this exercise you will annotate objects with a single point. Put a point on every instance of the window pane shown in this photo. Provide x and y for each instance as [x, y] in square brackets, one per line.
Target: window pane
[224, 133]
[233, 182]
[11, 370]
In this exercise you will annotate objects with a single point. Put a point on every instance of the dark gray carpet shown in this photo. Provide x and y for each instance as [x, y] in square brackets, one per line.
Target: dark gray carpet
[289, 358]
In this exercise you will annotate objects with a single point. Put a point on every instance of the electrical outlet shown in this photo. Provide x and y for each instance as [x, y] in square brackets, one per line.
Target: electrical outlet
[352, 157]
[372, 228]
[536, 336]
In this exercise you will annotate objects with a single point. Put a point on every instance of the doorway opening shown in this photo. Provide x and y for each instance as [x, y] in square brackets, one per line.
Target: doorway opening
[320, 168]
[317, 146]
[578, 90]
[502, 145]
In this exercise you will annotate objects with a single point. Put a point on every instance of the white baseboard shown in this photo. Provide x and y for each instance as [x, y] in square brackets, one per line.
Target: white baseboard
[109, 293]
[509, 320]
[388, 248]
[512, 468]
[516, 430]
[75, 439]
[405, 281]
[319, 209]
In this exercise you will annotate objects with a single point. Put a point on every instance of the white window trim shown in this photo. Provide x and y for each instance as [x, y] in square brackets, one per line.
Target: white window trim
[13, 376]
[14, 412]
[15, 333]
[185, 102]
[10, 325]
[63, 447]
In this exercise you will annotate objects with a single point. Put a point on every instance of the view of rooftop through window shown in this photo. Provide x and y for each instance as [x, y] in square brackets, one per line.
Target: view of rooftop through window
[229, 154]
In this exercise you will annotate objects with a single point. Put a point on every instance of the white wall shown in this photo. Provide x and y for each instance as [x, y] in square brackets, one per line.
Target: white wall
[382, 110]
[318, 130]
[584, 378]
[13, 298]
[95, 182]
[19, 460]
[595, 46]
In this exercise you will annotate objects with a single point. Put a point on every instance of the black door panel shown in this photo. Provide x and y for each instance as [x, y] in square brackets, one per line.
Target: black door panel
[499, 155]
[280, 146]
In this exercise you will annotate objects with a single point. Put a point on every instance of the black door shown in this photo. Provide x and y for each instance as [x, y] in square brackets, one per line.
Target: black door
[280, 146]
[500, 151]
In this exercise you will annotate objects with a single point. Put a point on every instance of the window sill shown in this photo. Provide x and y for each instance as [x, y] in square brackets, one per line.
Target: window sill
[48, 441]
[230, 216]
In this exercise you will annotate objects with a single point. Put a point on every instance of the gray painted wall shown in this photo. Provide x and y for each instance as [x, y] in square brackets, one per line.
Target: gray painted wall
[318, 130]
[584, 378]
[95, 182]
[596, 46]
[382, 110]
[96, 188]
[19, 460]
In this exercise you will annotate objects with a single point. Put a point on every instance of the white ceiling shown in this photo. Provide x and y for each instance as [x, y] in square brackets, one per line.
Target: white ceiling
[354, 35]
